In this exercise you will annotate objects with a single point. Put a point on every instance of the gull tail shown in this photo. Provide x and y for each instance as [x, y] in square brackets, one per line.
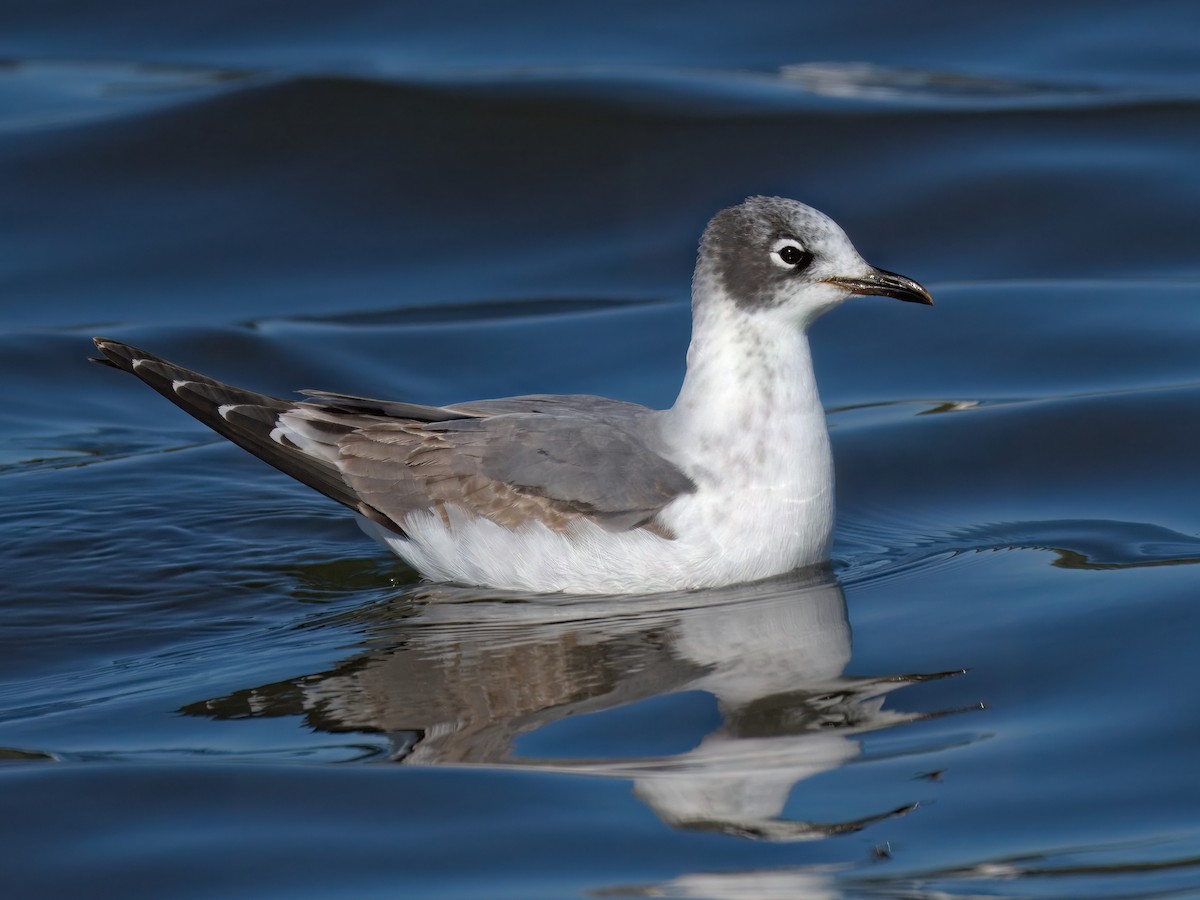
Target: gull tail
[265, 426]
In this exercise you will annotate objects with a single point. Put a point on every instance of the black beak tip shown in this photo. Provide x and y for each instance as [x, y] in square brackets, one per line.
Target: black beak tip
[923, 298]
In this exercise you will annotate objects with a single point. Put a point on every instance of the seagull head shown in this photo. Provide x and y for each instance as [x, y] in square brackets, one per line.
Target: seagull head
[779, 257]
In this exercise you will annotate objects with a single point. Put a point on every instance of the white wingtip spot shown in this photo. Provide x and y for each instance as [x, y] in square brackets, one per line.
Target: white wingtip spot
[180, 383]
[224, 409]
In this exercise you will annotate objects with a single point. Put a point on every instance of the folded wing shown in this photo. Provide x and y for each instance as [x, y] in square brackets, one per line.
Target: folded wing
[548, 459]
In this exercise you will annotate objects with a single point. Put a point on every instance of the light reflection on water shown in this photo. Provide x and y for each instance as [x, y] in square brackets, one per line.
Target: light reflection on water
[465, 680]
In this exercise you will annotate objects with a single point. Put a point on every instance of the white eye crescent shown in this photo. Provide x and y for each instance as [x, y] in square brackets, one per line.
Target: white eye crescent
[788, 254]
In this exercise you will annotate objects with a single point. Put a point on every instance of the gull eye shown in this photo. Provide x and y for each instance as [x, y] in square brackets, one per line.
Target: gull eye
[787, 254]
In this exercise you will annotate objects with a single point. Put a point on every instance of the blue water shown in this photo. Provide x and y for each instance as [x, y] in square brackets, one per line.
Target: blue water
[212, 685]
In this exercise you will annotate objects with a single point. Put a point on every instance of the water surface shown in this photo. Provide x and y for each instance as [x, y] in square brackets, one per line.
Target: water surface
[211, 684]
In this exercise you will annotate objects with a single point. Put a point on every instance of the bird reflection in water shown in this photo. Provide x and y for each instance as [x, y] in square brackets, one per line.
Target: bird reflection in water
[454, 676]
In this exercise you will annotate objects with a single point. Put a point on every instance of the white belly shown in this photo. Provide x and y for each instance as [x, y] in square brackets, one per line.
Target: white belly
[761, 532]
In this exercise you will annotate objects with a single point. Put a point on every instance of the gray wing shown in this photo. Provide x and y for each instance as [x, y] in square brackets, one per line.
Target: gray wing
[550, 459]
[515, 467]
[617, 411]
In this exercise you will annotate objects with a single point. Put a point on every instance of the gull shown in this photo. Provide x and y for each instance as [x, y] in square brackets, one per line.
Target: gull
[587, 495]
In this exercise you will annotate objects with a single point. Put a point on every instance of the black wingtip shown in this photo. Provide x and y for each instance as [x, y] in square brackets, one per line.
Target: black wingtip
[109, 358]
[117, 355]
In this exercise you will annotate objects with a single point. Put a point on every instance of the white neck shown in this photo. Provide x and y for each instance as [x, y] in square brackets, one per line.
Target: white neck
[749, 428]
[746, 372]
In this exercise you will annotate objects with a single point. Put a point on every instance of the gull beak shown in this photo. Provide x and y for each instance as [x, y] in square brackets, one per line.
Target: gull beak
[885, 284]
